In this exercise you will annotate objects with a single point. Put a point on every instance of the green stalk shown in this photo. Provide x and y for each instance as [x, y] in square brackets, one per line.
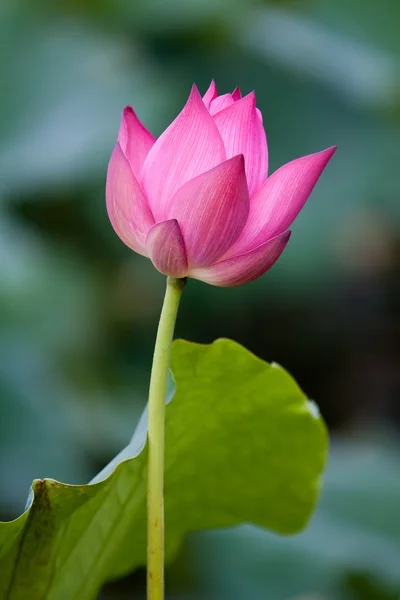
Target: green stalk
[156, 437]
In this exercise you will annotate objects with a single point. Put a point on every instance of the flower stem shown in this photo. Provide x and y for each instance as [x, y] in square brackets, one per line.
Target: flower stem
[156, 435]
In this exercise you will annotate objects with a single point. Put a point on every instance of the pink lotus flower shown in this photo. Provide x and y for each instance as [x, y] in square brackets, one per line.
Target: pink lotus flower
[198, 201]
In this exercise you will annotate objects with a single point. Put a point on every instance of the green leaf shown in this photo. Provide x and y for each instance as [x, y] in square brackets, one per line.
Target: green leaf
[354, 534]
[243, 445]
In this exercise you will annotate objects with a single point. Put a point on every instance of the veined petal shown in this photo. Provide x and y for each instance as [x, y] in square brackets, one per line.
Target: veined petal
[220, 103]
[191, 145]
[212, 210]
[166, 248]
[245, 268]
[210, 94]
[280, 199]
[237, 95]
[243, 133]
[127, 206]
[135, 140]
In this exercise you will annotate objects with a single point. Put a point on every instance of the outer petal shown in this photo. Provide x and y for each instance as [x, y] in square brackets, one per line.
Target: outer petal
[212, 210]
[245, 268]
[280, 199]
[210, 94]
[191, 145]
[220, 103]
[135, 140]
[127, 206]
[166, 248]
[243, 133]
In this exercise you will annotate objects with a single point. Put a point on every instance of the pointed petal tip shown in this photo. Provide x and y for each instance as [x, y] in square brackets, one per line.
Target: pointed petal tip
[211, 94]
[251, 98]
[238, 160]
[285, 236]
[213, 88]
[128, 112]
[135, 140]
[194, 92]
[247, 100]
[194, 101]
[327, 153]
[318, 159]
[236, 94]
[332, 150]
[128, 109]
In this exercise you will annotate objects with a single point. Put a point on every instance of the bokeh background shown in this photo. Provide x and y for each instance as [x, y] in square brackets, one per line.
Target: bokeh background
[78, 310]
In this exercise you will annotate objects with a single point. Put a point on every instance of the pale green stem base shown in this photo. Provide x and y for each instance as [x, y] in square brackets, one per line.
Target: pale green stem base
[156, 435]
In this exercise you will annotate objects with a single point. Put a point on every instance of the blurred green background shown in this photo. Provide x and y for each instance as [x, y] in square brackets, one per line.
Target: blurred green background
[78, 310]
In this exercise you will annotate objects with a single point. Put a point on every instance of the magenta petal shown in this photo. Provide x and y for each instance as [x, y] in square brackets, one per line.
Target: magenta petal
[281, 198]
[236, 94]
[135, 140]
[212, 210]
[245, 268]
[127, 206]
[220, 103]
[210, 94]
[243, 133]
[191, 145]
[166, 248]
